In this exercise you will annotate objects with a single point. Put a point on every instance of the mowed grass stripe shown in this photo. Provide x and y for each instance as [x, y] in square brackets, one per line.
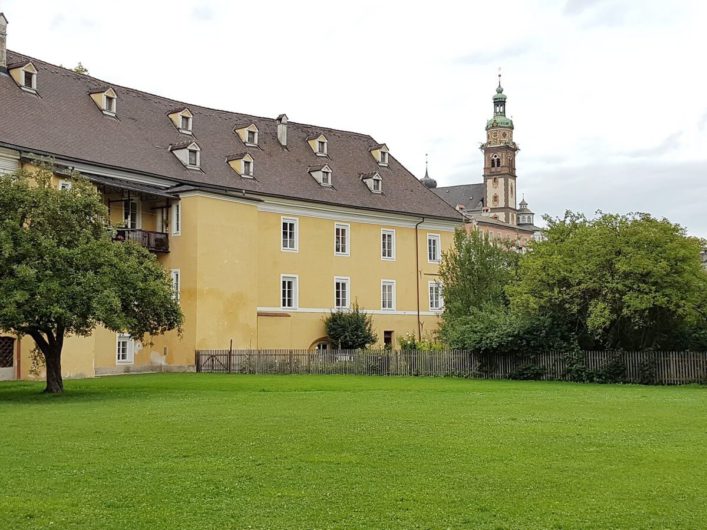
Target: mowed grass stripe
[215, 451]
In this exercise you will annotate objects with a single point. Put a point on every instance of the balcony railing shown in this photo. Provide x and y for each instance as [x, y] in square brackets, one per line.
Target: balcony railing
[152, 241]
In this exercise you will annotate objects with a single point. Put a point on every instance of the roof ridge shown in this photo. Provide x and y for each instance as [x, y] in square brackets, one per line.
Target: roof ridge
[178, 102]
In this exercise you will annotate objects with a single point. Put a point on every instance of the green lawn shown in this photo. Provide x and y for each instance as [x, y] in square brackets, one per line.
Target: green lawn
[226, 451]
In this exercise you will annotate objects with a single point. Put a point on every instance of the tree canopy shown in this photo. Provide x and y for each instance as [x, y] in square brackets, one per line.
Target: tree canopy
[61, 274]
[616, 282]
[350, 329]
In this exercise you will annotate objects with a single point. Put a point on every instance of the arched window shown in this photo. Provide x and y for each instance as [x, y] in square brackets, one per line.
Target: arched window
[495, 160]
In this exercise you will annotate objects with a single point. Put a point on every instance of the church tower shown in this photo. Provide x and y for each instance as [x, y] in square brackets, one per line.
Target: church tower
[500, 162]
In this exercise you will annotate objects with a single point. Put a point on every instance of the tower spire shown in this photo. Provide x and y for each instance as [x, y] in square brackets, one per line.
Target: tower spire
[426, 180]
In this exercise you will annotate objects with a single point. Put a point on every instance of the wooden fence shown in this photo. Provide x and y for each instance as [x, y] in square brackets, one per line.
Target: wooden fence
[665, 368]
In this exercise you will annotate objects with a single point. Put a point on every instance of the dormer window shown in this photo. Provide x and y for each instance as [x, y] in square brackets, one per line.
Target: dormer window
[373, 181]
[321, 174]
[243, 164]
[319, 144]
[188, 154]
[106, 100]
[109, 104]
[183, 120]
[25, 75]
[248, 133]
[380, 154]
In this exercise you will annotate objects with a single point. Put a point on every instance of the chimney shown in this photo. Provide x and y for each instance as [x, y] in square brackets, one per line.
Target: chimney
[282, 129]
[3, 43]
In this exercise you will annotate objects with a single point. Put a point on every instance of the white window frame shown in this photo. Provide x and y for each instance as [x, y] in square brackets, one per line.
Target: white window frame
[110, 109]
[347, 239]
[345, 280]
[138, 214]
[326, 178]
[198, 158]
[437, 286]
[295, 221]
[438, 248]
[320, 144]
[248, 168]
[377, 185]
[391, 232]
[247, 137]
[189, 121]
[177, 219]
[64, 185]
[391, 284]
[129, 352]
[176, 276]
[32, 87]
[383, 158]
[295, 290]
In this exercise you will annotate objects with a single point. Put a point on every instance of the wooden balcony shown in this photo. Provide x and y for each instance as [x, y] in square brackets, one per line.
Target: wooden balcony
[152, 241]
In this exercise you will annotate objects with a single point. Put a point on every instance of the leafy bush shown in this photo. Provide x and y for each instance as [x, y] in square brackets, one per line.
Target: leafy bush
[528, 372]
[350, 329]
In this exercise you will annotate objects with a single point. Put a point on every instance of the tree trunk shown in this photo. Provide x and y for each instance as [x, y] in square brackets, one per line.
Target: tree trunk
[55, 384]
[51, 345]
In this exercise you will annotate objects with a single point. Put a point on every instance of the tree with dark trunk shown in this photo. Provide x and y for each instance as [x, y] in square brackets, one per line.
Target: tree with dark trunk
[61, 274]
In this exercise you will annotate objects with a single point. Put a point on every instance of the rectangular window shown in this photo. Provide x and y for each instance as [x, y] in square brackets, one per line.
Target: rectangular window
[176, 219]
[436, 299]
[251, 137]
[326, 178]
[289, 234]
[186, 123]
[193, 157]
[131, 214]
[388, 244]
[321, 147]
[384, 158]
[110, 104]
[433, 248]
[64, 185]
[341, 292]
[376, 185]
[29, 79]
[388, 295]
[388, 340]
[125, 349]
[341, 239]
[176, 283]
[288, 292]
[247, 167]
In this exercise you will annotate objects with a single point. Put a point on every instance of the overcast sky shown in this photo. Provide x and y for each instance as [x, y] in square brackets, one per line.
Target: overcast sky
[609, 97]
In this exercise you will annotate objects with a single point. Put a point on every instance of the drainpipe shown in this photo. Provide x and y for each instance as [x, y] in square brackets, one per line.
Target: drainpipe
[417, 277]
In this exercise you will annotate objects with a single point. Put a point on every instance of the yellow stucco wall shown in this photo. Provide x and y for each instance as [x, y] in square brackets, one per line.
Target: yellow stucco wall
[229, 258]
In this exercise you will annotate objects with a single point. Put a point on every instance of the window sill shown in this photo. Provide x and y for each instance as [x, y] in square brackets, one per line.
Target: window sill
[109, 113]
[193, 168]
[124, 362]
[291, 250]
[29, 89]
[342, 254]
[387, 259]
[186, 131]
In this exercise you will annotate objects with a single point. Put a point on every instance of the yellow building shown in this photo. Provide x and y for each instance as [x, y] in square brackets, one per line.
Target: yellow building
[265, 225]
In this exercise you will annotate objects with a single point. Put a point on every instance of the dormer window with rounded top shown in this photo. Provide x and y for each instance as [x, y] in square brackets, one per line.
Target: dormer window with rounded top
[188, 154]
[243, 164]
[380, 154]
[373, 181]
[183, 120]
[25, 75]
[319, 144]
[321, 174]
[106, 100]
[248, 133]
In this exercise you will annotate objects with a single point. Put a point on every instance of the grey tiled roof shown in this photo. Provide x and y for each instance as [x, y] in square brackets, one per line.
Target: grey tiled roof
[63, 121]
[469, 195]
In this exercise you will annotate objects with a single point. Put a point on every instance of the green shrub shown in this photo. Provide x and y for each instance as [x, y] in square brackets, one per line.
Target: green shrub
[350, 329]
